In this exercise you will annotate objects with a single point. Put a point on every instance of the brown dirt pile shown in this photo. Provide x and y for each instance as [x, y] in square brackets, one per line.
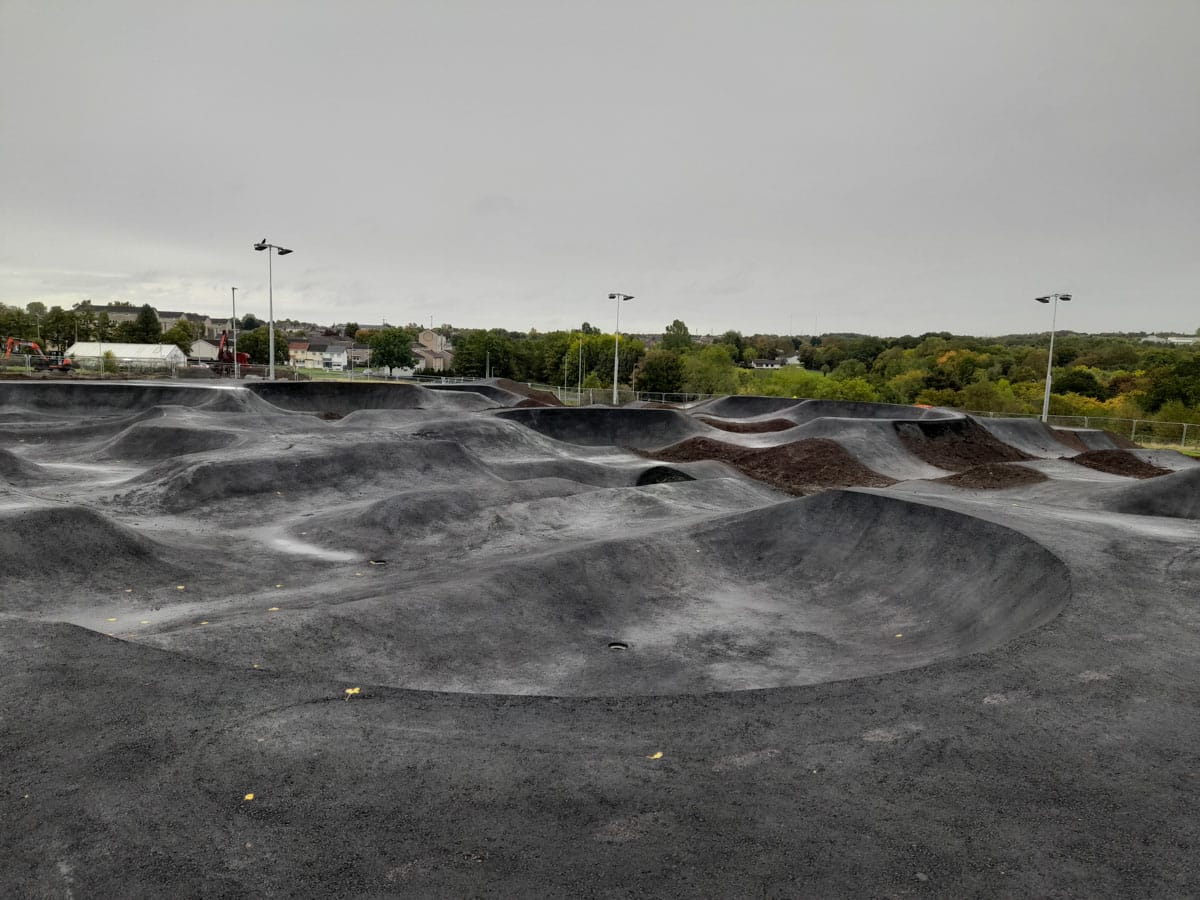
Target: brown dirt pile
[1118, 462]
[529, 403]
[797, 468]
[994, 476]
[748, 427]
[1070, 439]
[958, 447]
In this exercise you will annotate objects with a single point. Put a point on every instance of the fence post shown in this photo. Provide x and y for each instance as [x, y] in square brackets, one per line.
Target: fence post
[1183, 440]
[1085, 422]
[1133, 431]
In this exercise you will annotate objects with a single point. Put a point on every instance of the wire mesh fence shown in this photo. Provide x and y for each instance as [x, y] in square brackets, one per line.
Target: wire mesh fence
[1141, 430]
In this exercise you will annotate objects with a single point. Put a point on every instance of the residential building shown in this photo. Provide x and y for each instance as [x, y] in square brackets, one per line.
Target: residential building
[432, 352]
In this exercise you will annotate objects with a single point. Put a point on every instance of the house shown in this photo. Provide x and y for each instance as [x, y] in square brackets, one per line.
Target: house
[142, 356]
[204, 349]
[1175, 340]
[432, 352]
[298, 351]
[766, 363]
[359, 354]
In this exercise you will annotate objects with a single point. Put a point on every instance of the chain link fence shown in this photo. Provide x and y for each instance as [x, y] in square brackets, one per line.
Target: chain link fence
[1151, 431]
[1182, 434]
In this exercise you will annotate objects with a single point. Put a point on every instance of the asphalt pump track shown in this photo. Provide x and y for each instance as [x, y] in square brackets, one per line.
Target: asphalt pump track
[383, 640]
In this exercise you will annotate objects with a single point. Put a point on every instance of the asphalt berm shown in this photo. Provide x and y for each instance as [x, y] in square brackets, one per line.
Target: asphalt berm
[375, 641]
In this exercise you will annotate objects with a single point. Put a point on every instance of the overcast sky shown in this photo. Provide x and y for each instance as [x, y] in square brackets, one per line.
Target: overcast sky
[889, 168]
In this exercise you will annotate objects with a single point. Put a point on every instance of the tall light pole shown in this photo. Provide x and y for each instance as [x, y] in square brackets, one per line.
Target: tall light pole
[1052, 299]
[282, 251]
[620, 298]
[235, 360]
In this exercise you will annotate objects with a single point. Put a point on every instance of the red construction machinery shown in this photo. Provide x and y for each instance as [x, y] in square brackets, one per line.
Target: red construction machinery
[37, 357]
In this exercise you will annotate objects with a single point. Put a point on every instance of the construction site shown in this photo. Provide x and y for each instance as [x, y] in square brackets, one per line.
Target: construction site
[283, 639]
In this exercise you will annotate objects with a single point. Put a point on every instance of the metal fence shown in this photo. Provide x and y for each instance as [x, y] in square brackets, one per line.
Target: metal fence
[1145, 430]
[1180, 434]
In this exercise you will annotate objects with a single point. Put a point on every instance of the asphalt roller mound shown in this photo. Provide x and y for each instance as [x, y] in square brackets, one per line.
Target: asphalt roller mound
[434, 652]
[803, 592]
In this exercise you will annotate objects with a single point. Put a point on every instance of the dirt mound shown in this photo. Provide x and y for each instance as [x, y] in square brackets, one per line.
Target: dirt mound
[993, 476]
[956, 444]
[760, 427]
[529, 403]
[797, 468]
[1176, 495]
[1118, 462]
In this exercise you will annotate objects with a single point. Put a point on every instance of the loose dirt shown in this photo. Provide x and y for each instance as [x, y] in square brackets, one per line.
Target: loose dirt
[748, 427]
[798, 468]
[961, 446]
[1070, 439]
[1118, 462]
[994, 476]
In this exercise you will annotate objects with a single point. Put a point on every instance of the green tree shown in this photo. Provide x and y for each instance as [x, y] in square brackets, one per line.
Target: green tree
[85, 320]
[58, 328]
[256, 343]
[146, 328]
[677, 338]
[477, 351]
[1079, 381]
[250, 322]
[350, 330]
[710, 371]
[391, 347]
[660, 371]
[182, 335]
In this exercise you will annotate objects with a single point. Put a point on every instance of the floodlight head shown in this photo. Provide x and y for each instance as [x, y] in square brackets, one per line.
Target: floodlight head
[1042, 299]
[281, 251]
[261, 245]
[1064, 296]
[621, 297]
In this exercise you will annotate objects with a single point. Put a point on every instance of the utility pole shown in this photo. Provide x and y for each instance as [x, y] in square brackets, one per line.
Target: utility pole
[235, 356]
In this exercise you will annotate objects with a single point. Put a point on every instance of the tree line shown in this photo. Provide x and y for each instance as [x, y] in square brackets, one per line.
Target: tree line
[1114, 375]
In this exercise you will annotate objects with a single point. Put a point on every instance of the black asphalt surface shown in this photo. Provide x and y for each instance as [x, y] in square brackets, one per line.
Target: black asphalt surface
[311, 640]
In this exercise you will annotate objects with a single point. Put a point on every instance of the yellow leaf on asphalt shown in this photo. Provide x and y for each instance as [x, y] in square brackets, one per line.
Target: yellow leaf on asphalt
[110, 620]
[180, 587]
[273, 609]
[657, 755]
[248, 797]
[352, 692]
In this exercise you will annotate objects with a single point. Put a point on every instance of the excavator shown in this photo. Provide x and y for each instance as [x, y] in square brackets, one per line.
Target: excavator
[225, 358]
[37, 357]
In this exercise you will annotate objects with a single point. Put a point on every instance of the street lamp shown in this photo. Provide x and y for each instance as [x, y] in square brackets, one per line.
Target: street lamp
[1052, 299]
[235, 360]
[282, 251]
[620, 298]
